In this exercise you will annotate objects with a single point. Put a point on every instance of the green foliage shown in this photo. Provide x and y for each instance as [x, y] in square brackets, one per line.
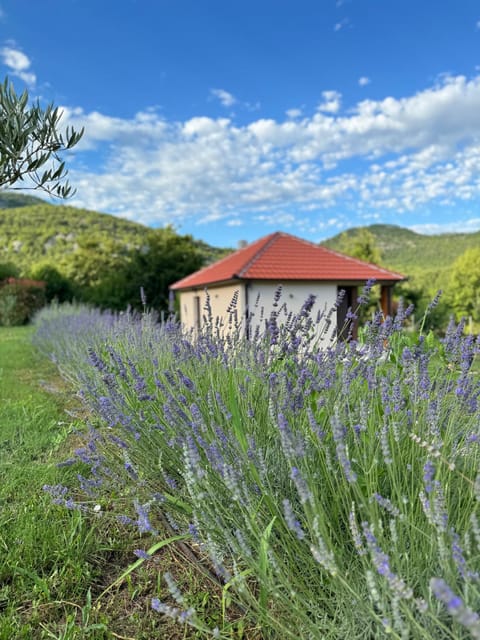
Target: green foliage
[8, 270]
[333, 490]
[18, 303]
[361, 244]
[425, 259]
[9, 199]
[30, 141]
[102, 259]
[51, 233]
[91, 267]
[464, 286]
[57, 286]
[164, 258]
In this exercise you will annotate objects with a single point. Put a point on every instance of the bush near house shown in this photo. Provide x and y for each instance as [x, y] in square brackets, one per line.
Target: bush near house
[20, 298]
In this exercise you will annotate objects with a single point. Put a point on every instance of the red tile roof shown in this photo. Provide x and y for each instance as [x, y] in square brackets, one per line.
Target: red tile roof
[280, 257]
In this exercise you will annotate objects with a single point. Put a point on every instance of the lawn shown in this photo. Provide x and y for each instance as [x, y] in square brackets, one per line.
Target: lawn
[55, 563]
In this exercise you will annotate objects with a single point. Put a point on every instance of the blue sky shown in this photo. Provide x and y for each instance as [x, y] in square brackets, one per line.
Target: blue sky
[233, 119]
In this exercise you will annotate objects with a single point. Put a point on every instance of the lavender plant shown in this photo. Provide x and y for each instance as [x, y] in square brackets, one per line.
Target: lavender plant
[334, 489]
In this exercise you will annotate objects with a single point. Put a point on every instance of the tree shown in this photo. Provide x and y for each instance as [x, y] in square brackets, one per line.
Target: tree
[57, 286]
[92, 269]
[362, 245]
[31, 144]
[165, 258]
[464, 286]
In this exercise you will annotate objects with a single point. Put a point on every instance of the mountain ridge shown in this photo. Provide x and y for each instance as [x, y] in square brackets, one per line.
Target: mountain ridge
[424, 258]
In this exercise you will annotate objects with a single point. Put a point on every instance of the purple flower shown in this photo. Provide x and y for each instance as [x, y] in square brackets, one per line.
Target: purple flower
[292, 523]
[365, 296]
[428, 473]
[338, 431]
[143, 523]
[435, 300]
[302, 488]
[456, 607]
[386, 504]
[382, 564]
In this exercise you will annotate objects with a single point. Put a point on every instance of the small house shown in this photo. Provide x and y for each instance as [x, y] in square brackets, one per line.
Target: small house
[253, 274]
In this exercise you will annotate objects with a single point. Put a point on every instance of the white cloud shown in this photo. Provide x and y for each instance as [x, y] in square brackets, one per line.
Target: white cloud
[395, 154]
[226, 98]
[459, 226]
[338, 26]
[363, 81]
[293, 113]
[18, 63]
[332, 101]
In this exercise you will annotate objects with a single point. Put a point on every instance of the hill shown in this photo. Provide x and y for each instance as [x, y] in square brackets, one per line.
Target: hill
[30, 234]
[35, 231]
[426, 259]
[9, 199]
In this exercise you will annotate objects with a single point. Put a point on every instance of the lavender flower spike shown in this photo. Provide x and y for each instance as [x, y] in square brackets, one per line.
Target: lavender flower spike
[456, 607]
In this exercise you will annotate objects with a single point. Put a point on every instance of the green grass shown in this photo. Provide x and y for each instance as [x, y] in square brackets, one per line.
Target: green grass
[43, 548]
[55, 563]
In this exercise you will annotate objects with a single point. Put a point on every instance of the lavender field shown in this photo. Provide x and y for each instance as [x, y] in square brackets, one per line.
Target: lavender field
[327, 492]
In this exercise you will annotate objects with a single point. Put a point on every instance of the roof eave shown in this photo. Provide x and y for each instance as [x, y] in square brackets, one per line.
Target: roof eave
[201, 286]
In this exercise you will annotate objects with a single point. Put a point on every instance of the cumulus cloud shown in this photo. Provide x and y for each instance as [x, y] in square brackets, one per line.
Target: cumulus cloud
[293, 113]
[331, 103]
[226, 98]
[314, 172]
[363, 81]
[18, 63]
[464, 226]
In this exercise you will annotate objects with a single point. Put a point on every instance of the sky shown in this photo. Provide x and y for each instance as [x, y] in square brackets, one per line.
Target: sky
[232, 119]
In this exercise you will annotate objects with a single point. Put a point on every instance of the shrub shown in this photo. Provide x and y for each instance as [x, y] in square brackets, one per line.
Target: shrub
[18, 302]
[57, 286]
[8, 270]
[335, 492]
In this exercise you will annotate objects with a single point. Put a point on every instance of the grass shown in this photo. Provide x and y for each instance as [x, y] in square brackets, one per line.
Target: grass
[55, 563]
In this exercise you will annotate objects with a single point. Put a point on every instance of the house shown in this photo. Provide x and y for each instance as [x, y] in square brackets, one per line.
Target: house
[254, 272]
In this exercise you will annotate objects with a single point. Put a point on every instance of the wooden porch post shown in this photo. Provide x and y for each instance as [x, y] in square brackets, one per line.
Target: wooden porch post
[386, 299]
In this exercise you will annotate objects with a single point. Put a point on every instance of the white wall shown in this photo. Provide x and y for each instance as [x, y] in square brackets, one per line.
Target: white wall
[220, 299]
[294, 294]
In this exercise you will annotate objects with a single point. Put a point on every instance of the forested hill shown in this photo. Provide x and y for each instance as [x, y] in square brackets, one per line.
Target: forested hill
[9, 199]
[36, 231]
[95, 257]
[426, 258]
[30, 234]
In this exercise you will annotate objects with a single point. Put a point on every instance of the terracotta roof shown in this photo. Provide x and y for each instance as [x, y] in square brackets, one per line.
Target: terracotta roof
[280, 257]
[24, 282]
